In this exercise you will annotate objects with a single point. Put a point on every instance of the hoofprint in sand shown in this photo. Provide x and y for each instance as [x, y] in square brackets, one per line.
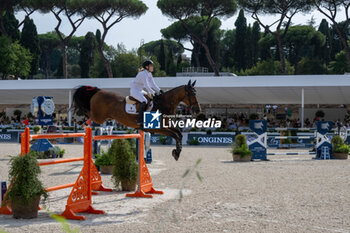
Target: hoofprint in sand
[288, 194]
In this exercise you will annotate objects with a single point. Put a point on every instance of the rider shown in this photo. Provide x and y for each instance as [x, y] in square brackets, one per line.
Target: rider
[144, 80]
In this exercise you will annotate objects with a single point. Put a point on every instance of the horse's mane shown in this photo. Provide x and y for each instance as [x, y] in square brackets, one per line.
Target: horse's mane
[173, 89]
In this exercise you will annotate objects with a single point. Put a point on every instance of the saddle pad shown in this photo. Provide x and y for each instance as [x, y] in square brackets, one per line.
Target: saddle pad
[131, 108]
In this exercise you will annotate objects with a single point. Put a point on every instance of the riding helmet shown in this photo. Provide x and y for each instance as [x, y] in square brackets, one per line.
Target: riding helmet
[147, 63]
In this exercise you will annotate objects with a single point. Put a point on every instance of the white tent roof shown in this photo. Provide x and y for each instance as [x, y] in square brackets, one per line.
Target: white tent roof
[319, 89]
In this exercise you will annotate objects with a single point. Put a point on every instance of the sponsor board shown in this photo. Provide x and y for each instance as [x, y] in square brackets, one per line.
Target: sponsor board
[7, 137]
[213, 140]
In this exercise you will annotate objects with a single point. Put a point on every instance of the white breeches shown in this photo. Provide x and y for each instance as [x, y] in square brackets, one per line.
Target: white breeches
[138, 94]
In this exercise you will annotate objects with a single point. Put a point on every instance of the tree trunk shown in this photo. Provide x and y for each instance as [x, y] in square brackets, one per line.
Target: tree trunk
[281, 53]
[64, 60]
[196, 51]
[106, 62]
[210, 60]
[2, 26]
[196, 59]
[48, 64]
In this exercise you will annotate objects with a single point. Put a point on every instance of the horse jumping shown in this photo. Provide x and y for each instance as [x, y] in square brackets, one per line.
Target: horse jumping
[101, 105]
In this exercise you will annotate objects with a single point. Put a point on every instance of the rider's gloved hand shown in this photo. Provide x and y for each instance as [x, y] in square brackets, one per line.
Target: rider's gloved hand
[150, 95]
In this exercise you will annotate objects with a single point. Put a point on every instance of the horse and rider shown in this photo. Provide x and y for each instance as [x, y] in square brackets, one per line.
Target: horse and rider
[143, 85]
[101, 105]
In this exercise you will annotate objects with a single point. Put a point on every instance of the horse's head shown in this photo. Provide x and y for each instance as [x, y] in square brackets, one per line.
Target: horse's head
[191, 98]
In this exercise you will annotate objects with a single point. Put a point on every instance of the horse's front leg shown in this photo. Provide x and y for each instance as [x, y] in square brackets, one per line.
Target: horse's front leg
[168, 132]
[178, 141]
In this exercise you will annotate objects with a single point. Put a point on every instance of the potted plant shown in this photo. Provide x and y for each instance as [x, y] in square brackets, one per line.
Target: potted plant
[194, 141]
[36, 129]
[240, 151]
[125, 170]
[26, 189]
[56, 152]
[162, 140]
[339, 149]
[104, 161]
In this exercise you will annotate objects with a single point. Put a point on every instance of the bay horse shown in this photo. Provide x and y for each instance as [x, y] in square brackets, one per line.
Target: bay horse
[101, 105]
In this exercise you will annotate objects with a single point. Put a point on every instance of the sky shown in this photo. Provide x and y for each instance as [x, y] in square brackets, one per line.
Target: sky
[147, 28]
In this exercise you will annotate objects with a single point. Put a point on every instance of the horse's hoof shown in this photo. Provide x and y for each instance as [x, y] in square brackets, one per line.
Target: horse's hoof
[176, 155]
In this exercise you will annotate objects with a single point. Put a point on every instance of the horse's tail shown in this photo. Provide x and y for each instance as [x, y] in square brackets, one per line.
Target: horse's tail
[81, 99]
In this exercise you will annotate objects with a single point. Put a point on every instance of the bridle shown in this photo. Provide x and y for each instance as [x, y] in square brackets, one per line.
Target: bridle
[189, 95]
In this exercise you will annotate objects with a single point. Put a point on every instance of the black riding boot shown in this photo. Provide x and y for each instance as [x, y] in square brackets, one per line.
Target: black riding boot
[141, 110]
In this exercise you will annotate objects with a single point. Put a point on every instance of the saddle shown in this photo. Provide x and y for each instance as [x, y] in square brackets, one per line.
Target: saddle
[132, 105]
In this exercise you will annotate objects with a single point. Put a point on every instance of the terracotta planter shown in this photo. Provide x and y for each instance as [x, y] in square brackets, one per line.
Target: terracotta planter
[340, 155]
[237, 158]
[25, 211]
[106, 169]
[128, 186]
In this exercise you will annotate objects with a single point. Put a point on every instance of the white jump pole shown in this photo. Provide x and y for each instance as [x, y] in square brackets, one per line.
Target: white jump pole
[69, 109]
[302, 107]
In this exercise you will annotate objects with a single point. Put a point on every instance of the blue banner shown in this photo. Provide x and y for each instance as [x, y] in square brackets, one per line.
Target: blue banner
[213, 139]
[8, 137]
[257, 142]
[259, 127]
[323, 127]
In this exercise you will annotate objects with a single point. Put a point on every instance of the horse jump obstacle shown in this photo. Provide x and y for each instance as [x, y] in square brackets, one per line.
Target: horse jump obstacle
[293, 153]
[144, 181]
[89, 179]
[259, 145]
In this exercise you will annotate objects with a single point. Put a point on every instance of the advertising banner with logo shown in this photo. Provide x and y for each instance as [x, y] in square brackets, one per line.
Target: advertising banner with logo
[258, 142]
[8, 137]
[213, 140]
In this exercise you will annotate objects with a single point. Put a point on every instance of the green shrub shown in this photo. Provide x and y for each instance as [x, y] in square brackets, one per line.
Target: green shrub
[337, 140]
[36, 129]
[24, 171]
[125, 165]
[53, 152]
[342, 149]
[62, 152]
[162, 140]
[243, 151]
[267, 67]
[132, 141]
[311, 66]
[241, 148]
[40, 154]
[288, 140]
[194, 141]
[240, 140]
[338, 145]
[103, 159]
